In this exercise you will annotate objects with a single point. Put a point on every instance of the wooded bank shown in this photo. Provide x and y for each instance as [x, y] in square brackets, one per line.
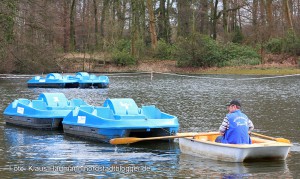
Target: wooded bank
[195, 33]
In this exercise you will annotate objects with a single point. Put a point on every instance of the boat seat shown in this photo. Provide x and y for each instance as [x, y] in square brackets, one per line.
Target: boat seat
[37, 77]
[54, 99]
[39, 104]
[103, 78]
[77, 102]
[82, 75]
[54, 76]
[24, 101]
[93, 77]
[123, 106]
[87, 108]
[151, 112]
[104, 112]
[68, 77]
[211, 138]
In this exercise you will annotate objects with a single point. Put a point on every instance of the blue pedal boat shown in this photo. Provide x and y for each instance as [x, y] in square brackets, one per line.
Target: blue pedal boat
[53, 80]
[80, 80]
[47, 112]
[86, 80]
[119, 118]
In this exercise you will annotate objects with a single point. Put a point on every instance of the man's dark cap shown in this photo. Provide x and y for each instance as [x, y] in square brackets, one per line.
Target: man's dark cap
[234, 102]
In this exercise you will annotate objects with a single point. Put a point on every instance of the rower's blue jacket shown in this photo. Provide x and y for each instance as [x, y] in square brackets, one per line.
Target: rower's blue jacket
[237, 133]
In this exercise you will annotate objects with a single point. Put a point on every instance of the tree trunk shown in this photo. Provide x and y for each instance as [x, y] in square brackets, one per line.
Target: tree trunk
[184, 13]
[72, 26]
[66, 43]
[152, 25]
[254, 19]
[121, 9]
[262, 6]
[269, 11]
[214, 7]
[234, 17]
[225, 20]
[167, 23]
[103, 17]
[204, 19]
[254, 14]
[161, 20]
[134, 26]
[142, 20]
[287, 15]
[95, 4]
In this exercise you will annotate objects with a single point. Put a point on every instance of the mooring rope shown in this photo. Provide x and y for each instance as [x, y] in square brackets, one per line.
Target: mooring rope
[191, 76]
[11, 76]
[258, 78]
[270, 77]
[130, 75]
[138, 74]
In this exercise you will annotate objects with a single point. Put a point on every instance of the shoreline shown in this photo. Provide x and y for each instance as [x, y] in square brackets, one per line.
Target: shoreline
[98, 63]
[169, 66]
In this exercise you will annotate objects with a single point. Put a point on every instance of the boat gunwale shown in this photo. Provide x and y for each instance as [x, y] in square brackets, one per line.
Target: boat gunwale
[268, 143]
[121, 127]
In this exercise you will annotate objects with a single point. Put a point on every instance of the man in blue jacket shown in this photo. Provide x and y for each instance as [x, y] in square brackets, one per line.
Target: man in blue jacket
[236, 126]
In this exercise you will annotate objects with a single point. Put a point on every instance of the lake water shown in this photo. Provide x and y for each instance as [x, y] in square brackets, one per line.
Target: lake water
[272, 103]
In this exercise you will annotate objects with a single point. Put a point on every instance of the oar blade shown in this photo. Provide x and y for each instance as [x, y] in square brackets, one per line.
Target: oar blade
[283, 140]
[125, 140]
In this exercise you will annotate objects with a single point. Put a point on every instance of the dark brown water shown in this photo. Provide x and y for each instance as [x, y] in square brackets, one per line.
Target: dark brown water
[273, 104]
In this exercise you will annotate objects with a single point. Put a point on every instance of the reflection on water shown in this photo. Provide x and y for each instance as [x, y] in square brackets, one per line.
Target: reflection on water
[30, 151]
[273, 105]
[205, 167]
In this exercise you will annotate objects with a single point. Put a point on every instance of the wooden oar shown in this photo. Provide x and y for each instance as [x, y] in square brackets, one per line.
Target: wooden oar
[272, 138]
[129, 140]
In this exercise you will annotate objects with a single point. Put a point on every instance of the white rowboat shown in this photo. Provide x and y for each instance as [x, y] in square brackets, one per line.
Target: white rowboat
[204, 146]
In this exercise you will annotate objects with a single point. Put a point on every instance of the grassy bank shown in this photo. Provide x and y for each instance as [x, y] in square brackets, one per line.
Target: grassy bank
[170, 67]
[75, 63]
[253, 70]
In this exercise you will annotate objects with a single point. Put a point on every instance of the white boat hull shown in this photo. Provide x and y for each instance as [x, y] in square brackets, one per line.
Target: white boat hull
[266, 149]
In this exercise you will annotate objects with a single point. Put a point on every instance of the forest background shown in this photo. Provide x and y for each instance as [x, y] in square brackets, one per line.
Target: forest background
[41, 36]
